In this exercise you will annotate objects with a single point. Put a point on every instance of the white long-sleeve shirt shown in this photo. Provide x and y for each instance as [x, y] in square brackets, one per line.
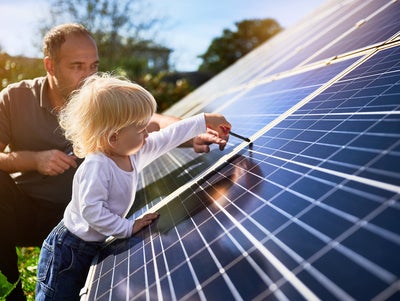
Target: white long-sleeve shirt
[102, 193]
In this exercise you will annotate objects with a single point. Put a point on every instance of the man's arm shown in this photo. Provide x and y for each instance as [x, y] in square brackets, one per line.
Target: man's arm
[50, 162]
[15, 161]
[159, 121]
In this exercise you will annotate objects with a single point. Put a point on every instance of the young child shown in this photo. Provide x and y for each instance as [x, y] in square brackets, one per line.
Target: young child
[106, 122]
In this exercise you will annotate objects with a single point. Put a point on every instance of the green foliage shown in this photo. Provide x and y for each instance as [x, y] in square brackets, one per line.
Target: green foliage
[5, 287]
[13, 69]
[232, 45]
[165, 92]
[127, 66]
[28, 258]
[27, 263]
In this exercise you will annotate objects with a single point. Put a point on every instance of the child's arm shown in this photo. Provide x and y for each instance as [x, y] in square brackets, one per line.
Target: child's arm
[160, 142]
[199, 143]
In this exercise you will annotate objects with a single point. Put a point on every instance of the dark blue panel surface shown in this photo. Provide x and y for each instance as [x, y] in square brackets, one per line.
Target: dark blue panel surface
[378, 27]
[323, 39]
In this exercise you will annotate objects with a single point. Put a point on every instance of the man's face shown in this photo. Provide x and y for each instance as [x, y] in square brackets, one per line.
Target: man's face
[77, 59]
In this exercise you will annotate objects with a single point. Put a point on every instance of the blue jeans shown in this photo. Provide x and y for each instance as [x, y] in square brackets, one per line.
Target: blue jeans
[64, 263]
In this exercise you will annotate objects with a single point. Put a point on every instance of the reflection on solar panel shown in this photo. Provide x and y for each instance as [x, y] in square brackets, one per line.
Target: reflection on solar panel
[311, 208]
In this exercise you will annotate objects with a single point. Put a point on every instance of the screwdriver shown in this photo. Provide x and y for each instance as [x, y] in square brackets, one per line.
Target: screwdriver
[239, 136]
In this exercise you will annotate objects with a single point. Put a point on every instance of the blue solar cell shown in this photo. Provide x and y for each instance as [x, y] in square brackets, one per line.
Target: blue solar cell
[381, 256]
[217, 289]
[315, 37]
[249, 287]
[378, 28]
[353, 205]
[349, 277]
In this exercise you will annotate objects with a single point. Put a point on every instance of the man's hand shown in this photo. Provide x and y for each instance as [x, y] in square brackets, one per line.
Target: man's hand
[54, 162]
[201, 143]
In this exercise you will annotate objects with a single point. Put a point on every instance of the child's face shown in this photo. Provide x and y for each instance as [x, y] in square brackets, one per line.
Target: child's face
[129, 140]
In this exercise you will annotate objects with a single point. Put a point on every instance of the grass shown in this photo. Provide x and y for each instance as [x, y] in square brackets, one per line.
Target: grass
[27, 261]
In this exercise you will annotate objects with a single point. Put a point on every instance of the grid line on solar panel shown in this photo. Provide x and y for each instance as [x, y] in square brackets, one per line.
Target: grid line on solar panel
[318, 36]
[283, 212]
[291, 106]
[280, 90]
[380, 26]
[323, 149]
[219, 269]
[236, 244]
[306, 108]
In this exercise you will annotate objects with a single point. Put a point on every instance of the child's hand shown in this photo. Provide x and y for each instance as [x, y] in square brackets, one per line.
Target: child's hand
[202, 142]
[144, 221]
[218, 123]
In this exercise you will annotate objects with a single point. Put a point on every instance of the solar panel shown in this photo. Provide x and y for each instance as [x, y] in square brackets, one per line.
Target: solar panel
[310, 209]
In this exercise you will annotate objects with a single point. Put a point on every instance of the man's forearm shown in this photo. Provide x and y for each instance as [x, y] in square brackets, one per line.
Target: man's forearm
[159, 121]
[17, 161]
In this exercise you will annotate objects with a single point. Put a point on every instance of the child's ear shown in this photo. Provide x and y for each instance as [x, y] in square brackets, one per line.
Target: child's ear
[113, 138]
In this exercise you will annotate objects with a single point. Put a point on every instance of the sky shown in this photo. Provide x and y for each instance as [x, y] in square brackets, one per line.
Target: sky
[191, 25]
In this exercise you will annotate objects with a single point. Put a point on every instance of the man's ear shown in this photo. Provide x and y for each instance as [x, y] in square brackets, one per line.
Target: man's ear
[49, 65]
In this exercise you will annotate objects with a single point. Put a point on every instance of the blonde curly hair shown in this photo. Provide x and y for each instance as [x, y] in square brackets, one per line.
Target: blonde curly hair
[101, 107]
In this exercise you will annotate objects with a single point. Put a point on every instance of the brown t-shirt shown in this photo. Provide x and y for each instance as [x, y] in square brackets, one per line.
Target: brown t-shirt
[27, 123]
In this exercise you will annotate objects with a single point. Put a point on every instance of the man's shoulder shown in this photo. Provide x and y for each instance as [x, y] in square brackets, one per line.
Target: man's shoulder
[27, 84]
[23, 92]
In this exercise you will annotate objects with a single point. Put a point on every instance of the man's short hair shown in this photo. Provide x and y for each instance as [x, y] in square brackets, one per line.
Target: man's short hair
[56, 36]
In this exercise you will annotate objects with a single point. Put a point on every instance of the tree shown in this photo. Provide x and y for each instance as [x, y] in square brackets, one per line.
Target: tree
[117, 26]
[232, 45]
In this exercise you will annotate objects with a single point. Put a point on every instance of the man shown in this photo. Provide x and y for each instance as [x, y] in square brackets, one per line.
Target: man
[32, 202]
